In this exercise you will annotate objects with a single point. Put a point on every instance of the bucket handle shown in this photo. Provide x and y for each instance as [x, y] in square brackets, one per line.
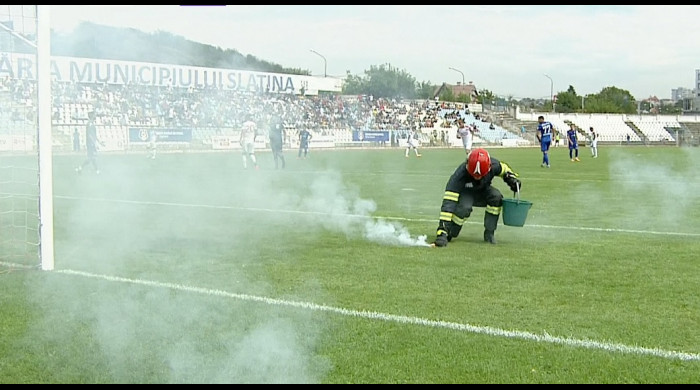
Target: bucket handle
[517, 186]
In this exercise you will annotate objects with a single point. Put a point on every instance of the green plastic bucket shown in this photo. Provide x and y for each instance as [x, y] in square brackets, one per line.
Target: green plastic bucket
[515, 211]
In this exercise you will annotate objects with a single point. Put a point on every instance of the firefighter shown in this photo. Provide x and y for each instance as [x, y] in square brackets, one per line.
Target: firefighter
[470, 186]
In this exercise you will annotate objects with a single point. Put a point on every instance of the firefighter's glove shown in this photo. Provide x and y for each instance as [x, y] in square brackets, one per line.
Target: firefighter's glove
[513, 182]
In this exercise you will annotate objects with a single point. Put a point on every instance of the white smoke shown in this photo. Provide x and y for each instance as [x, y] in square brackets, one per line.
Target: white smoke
[391, 233]
[655, 187]
[342, 209]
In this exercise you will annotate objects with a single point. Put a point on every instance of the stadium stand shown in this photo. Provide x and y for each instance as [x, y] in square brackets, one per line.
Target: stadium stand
[212, 113]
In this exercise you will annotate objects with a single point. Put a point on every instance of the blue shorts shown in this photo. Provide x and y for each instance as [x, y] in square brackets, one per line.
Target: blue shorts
[544, 145]
[573, 146]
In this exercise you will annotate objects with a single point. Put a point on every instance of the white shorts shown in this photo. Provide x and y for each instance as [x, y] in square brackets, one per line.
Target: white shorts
[467, 142]
[248, 148]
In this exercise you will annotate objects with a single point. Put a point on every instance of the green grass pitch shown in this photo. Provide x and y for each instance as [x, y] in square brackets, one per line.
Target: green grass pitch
[190, 269]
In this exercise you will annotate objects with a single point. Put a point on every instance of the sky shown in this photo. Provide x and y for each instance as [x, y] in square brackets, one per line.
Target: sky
[519, 51]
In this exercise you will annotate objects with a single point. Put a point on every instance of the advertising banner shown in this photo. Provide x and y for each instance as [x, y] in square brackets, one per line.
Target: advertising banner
[16, 143]
[140, 135]
[370, 136]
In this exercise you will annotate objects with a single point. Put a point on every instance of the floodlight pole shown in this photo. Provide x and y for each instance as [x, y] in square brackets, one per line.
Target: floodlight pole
[325, 63]
[462, 73]
[551, 91]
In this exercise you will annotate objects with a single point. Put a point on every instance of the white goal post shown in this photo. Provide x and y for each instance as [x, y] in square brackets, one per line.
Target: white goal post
[26, 155]
[45, 139]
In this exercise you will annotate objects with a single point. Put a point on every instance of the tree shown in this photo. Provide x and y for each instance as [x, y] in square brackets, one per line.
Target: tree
[568, 101]
[485, 97]
[463, 98]
[446, 95]
[672, 109]
[425, 90]
[354, 85]
[382, 81]
[614, 100]
[386, 81]
[609, 100]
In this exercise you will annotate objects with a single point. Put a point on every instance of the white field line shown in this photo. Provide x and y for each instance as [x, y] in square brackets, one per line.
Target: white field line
[460, 327]
[277, 211]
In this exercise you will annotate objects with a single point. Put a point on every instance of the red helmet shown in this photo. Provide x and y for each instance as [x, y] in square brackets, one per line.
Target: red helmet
[478, 163]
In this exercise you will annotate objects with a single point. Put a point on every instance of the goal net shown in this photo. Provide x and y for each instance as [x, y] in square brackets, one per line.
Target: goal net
[25, 138]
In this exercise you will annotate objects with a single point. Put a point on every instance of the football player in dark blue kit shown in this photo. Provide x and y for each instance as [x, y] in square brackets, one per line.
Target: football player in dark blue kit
[573, 142]
[544, 136]
[91, 144]
[304, 139]
[277, 135]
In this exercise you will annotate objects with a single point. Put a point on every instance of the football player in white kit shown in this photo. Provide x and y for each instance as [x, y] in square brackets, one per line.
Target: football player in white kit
[248, 132]
[594, 143]
[152, 139]
[466, 134]
[412, 142]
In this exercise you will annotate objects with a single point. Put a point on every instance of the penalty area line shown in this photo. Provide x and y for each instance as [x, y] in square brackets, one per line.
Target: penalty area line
[307, 212]
[461, 327]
